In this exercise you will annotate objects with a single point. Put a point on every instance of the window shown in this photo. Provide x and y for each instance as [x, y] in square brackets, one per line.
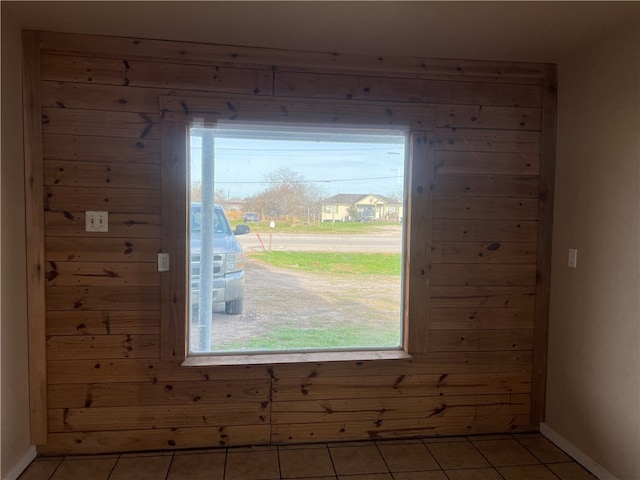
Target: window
[346, 241]
[294, 281]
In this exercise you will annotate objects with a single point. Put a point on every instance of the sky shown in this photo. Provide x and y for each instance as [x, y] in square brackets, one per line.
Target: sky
[335, 160]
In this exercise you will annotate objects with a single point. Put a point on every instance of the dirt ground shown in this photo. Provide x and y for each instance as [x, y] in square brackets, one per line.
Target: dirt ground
[276, 297]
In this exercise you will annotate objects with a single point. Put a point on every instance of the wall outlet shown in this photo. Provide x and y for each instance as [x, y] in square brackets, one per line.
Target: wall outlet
[573, 257]
[163, 262]
[96, 221]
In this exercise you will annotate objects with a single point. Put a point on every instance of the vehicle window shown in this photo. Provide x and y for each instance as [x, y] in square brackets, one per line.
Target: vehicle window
[296, 238]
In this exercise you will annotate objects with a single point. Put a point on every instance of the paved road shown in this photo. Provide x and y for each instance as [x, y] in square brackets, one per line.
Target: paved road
[390, 242]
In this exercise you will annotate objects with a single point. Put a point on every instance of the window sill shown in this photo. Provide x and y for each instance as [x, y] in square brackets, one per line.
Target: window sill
[311, 357]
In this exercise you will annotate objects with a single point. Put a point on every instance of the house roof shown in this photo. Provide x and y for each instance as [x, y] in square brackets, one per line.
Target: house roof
[351, 198]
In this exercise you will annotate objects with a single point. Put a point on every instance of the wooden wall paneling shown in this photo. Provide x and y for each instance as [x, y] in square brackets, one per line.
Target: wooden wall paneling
[173, 334]
[383, 386]
[103, 99]
[70, 347]
[483, 252]
[154, 439]
[403, 428]
[390, 89]
[482, 296]
[101, 149]
[102, 323]
[141, 370]
[381, 409]
[106, 71]
[479, 116]
[480, 340]
[423, 364]
[117, 200]
[418, 249]
[213, 392]
[456, 230]
[97, 249]
[133, 298]
[481, 318]
[492, 208]
[487, 163]
[95, 419]
[486, 185]
[67, 121]
[474, 274]
[494, 141]
[71, 223]
[97, 274]
[137, 73]
[66, 94]
[35, 253]
[201, 54]
[547, 180]
[238, 108]
[101, 175]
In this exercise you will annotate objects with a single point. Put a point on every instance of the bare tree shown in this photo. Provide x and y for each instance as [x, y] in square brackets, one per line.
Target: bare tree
[287, 195]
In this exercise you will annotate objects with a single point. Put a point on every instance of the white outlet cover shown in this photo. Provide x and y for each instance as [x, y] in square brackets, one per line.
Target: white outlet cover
[573, 258]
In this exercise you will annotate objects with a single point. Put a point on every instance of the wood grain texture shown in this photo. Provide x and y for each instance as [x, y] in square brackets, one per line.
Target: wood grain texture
[35, 253]
[105, 130]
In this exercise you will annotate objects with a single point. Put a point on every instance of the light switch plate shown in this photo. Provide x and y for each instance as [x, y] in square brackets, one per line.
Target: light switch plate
[573, 257]
[96, 221]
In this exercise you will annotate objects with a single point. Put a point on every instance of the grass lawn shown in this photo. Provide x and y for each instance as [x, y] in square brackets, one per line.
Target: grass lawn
[342, 336]
[342, 263]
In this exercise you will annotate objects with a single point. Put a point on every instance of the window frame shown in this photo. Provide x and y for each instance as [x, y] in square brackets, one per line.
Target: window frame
[181, 112]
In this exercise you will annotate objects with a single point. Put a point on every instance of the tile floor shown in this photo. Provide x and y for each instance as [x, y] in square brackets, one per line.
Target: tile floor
[493, 457]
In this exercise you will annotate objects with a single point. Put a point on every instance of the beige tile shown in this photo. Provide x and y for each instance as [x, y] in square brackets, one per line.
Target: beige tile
[457, 455]
[408, 457]
[503, 453]
[357, 460]
[432, 475]
[544, 450]
[142, 468]
[40, 469]
[527, 472]
[474, 474]
[570, 471]
[198, 466]
[93, 468]
[306, 462]
[259, 464]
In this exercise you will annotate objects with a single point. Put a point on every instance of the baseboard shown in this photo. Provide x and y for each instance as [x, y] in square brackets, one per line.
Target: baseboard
[22, 465]
[578, 455]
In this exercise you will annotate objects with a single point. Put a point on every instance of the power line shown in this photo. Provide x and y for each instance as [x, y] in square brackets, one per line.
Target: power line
[313, 181]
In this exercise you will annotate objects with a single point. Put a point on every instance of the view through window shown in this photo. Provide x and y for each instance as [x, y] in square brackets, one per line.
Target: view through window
[295, 238]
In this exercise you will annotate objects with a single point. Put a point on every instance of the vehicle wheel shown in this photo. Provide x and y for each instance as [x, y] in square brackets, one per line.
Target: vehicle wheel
[234, 307]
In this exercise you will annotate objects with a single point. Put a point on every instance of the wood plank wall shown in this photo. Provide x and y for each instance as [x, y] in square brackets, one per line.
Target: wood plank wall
[107, 388]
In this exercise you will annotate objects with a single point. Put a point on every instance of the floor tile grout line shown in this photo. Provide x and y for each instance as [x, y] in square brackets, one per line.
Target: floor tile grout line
[383, 459]
[335, 472]
[173, 455]
[113, 467]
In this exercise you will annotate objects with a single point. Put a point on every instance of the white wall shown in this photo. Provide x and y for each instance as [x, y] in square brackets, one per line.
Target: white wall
[13, 304]
[593, 391]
